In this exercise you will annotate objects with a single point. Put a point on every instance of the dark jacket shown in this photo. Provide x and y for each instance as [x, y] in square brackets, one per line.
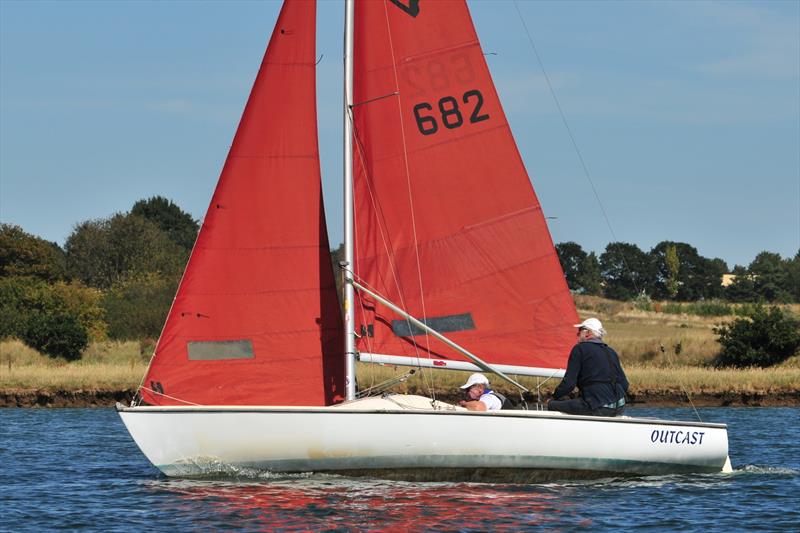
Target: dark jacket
[588, 368]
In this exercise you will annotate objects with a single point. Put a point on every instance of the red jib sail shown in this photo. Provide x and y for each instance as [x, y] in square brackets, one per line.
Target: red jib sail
[256, 319]
[448, 226]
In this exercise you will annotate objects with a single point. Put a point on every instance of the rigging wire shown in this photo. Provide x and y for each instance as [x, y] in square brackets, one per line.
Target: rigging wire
[572, 139]
[685, 391]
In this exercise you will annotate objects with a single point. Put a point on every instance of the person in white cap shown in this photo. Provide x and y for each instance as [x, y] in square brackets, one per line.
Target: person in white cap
[595, 369]
[479, 396]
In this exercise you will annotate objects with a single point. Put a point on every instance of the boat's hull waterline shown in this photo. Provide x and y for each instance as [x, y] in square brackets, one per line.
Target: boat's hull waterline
[384, 438]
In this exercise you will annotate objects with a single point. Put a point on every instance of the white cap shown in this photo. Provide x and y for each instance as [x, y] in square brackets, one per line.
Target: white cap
[593, 325]
[474, 379]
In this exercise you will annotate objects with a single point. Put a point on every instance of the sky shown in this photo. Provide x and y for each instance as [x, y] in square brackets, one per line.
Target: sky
[686, 114]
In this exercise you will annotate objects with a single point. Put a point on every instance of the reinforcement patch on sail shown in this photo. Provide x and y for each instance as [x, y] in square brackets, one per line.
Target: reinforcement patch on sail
[217, 350]
[442, 324]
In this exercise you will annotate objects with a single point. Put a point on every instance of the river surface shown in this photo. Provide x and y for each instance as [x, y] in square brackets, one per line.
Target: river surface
[79, 469]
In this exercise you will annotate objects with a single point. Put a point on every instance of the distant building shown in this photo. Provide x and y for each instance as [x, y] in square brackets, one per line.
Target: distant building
[728, 279]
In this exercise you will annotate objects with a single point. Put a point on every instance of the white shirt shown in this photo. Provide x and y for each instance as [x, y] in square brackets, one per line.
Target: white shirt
[491, 402]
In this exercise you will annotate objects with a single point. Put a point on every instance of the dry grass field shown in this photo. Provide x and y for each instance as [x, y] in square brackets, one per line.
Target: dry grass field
[660, 352]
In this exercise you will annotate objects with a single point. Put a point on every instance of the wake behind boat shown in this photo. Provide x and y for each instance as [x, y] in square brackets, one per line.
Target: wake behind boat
[448, 265]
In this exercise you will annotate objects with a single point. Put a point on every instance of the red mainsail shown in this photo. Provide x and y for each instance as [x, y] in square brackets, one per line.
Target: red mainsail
[448, 226]
[256, 319]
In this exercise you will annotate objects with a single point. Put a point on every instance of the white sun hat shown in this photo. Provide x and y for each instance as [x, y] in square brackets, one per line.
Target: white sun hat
[593, 325]
[474, 379]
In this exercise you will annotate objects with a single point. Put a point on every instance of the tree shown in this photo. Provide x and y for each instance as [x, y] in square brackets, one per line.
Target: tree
[102, 252]
[57, 335]
[770, 277]
[572, 258]
[673, 265]
[179, 226]
[683, 274]
[626, 270]
[793, 276]
[337, 256]
[136, 307]
[22, 296]
[590, 279]
[742, 289]
[763, 338]
[713, 271]
[23, 254]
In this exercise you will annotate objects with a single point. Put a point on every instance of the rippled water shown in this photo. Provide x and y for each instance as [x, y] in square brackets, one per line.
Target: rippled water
[78, 468]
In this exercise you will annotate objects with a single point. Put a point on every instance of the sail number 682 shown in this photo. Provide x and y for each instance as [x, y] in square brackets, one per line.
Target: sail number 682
[450, 114]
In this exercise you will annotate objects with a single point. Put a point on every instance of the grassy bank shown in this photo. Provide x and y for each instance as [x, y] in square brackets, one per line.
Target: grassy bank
[661, 351]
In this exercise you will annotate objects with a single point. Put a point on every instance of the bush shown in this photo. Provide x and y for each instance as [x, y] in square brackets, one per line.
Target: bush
[20, 297]
[643, 302]
[57, 335]
[136, 307]
[764, 338]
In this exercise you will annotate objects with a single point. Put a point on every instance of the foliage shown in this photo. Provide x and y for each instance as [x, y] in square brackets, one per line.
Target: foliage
[681, 273]
[179, 226]
[643, 302]
[764, 338]
[23, 254]
[58, 318]
[571, 256]
[742, 289]
[56, 334]
[337, 255]
[626, 270]
[793, 276]
[591, 279]
[581, 270]
[770, 277]
[673, 267]
[136, 307]
[102, 252]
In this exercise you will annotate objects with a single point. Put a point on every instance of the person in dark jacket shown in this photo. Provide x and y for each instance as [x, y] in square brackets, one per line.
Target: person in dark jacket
[594, 367]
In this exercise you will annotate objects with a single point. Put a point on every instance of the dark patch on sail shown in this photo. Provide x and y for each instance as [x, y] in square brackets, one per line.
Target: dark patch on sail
[442, 324]
[219, 350]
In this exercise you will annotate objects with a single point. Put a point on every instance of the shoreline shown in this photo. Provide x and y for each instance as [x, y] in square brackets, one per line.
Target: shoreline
[42, 398]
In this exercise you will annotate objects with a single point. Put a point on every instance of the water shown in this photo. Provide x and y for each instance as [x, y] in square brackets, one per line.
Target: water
[79, 469]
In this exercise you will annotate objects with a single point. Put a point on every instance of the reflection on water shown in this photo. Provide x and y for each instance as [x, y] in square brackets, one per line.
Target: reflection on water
[320, 501]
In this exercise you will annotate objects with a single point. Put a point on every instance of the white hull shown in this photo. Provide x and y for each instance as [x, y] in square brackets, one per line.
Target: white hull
[403, 437]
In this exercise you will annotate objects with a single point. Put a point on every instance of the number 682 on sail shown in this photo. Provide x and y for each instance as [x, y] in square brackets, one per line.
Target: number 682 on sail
[449, 113]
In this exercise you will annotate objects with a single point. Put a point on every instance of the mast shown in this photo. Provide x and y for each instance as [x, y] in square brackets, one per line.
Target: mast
[347, 264]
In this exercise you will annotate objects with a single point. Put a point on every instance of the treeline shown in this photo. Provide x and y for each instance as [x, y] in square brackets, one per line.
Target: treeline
[114, 278]
[676, 271]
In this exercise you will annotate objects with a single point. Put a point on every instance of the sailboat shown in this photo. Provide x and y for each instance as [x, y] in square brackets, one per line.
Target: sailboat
[448, 265]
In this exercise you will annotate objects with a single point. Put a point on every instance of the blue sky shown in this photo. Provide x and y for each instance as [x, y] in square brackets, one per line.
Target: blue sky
[687, 114]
